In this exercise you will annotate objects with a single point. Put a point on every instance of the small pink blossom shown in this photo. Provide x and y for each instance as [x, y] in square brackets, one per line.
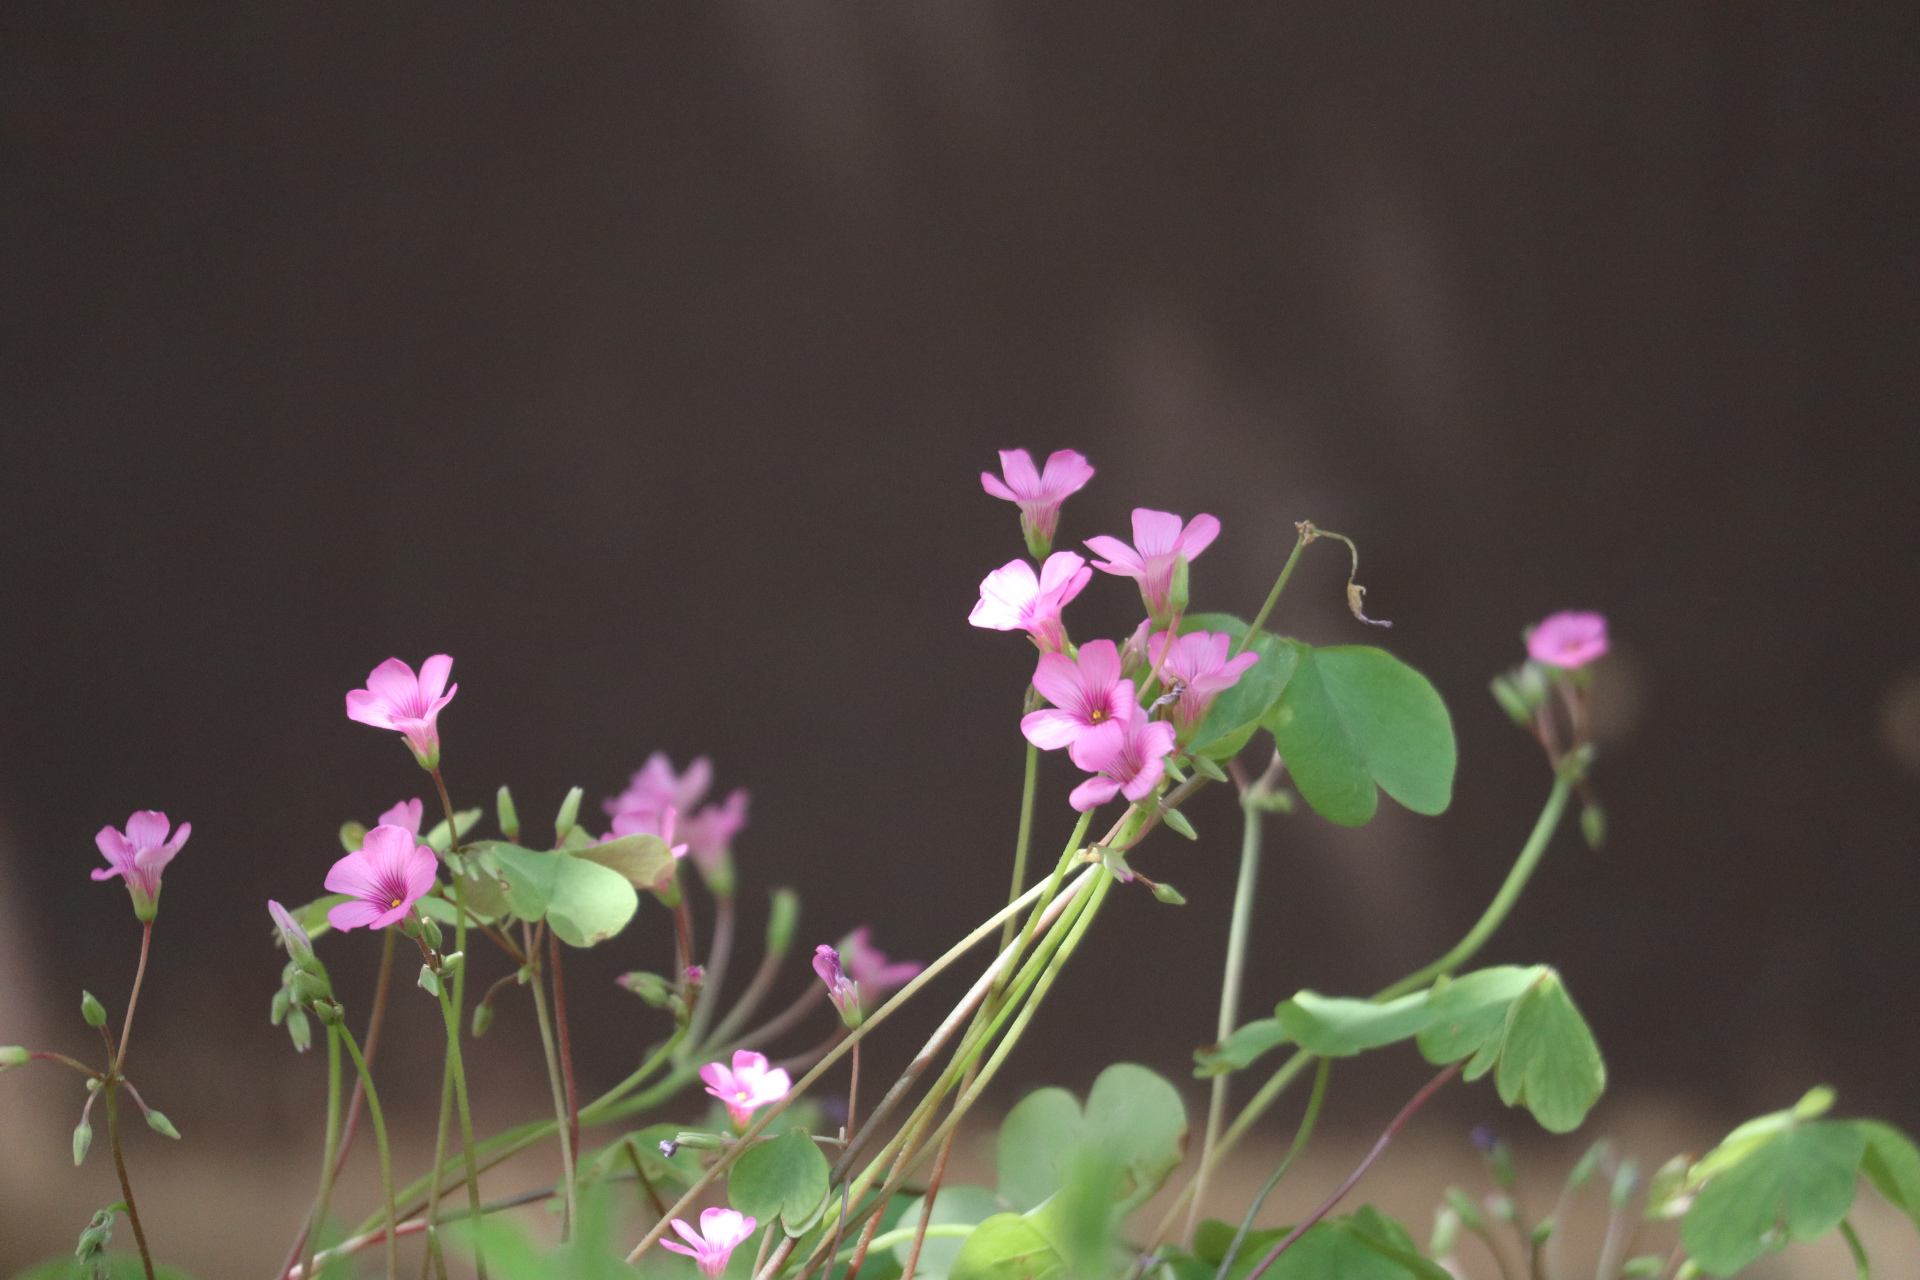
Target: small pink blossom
[140, 856]
[1125, 756]
[292, 936]
[842, 990]
[390, 872]
[395, 699]
[1012, 598]
[1199, 668]
[749, 1086]
[870, 968]
[406, 815]
[1038, 495]
[721, 1232]
[1568, 639]
[1158, 540]
[1085, 691]
[646, 822]
[709, 831]
[655, 786]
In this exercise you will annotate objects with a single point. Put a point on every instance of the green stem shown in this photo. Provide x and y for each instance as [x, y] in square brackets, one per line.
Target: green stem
[456, 1067]
[333, 1147]
[386, 1155]
[1237, 934]
[120, 1167]
[559, 1091]
[1022, 840]
[1047, 896]
[1300, 1138]
[439, 1148]
[1273, 596]
[900, 1235]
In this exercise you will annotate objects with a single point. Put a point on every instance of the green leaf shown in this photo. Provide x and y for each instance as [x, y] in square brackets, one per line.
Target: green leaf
[1469, 1016]
[312, 918]
[1035, 1140]
[436, 838]
[1339, 1027]
[1007, 1247]
[1242, 706]
[784, 1177]
[1353, 716]
[1799, 1182]
[1239, 1050]
[961, 1206]
[643, 859]
[1325, 1251]
[527, 875]
[590, 903]
[1548, 1060]
[1390, 1238]
[1138, 1118]
[1892, 1164]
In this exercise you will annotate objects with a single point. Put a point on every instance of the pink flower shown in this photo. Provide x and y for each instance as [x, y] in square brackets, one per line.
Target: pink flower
[1199, 668]
[1158, 540]
[1133, 654]
[1013, 599]
[648, 823]
[140, 856]
[721, 1232]
[1039, 496]
[656, 786]
[1084, 692]
[748, 1086]
[842, 990]
[292, 936]
[390, 872]
[1126, 756]
[710, 832]
[405, 814]
[395, 699]
[1568, 639]
[869, 968]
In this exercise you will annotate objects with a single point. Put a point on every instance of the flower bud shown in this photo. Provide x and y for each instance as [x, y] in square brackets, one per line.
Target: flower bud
[161, 1125]
[12, 1055]
[352, 836]
[451, 962]
[1446, 1230]
[299, 1031]
[569, 815]
[782, 920]
[92, 1010]
[1170, 895]
[1507, 694]
[1542, 1232]
[329, 1012]
[1177, 821]
[482, 1019]
[430, 932]
[1177, 592]
[1500, 1208]
[650, 987]
[841, 989]
[308, 987]
[698, 1139]
[1468, 1211]
[1598, 1154]
[1593, 825]
[429, 980]
[82, 1141]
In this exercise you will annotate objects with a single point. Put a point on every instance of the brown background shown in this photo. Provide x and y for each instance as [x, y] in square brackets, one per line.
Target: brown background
[643, 358]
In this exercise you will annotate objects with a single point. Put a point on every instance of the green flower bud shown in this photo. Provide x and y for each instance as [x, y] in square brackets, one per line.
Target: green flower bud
[352, 836]
[161, 1125]
[1168, 894]
[12, 1055]
[82, 1141]
[569, 815]
[1446, 1231]
[1177, 594]
[508, 815]
[429, 980]
[282, 1001]
[1626, 1180]
[1177, 821]
[1593, 825]
[430, 932]
[482, 1019]
[1468, 1212]
[92, 1010]
[782, 921]
[299, 1031]
[650, 987]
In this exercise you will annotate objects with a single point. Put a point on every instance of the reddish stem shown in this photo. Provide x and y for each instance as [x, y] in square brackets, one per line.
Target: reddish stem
[139, 974]
[566, 1043]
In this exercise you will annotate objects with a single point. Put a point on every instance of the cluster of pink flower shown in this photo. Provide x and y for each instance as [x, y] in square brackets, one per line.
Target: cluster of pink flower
[1096, 688]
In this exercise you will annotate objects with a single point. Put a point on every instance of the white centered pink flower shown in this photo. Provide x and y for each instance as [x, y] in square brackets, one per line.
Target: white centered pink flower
[1038, 494]
[721, 1232]
[139, 856]
[397, 699]
[390, 872]
[750, 1085]
[1199, 668]
[1158, 540]
[1014, 598]
[1085, 691]
[1127, 756]
[406, 815]
[1568, 639]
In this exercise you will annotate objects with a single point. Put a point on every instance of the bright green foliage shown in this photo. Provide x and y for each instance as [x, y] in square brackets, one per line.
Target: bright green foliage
[1033, 1145]
[121, 1266]
[1354, 716]
[1239, 1050]
[1241, 707]
[1008, 1246]
[584, 901]
[1366, 1245]
[954, 1205]
[1549, 1062]
[643, 859]
[1337, 1027]
[1469, 1016]
[1794, 1184]
[436, 839]
[1893, 1166]
[1133, 1117]
[592, 1254]
[784, 1177]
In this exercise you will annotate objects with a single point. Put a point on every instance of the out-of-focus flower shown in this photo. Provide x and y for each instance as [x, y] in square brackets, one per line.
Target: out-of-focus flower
[750, 1085]
[870, 968]
[396, 699]
[1085, 692]
[721, 1232]
[1038, 494]
[708, 831]
[842, 990]
[292, 936]
[1568, 639]
[405, 815]
[1127, 756]
[1158, 540]
[646, 822]
[391, 871]
[656, 786]
[140, 856]
[1197, 665]
[1013, 598]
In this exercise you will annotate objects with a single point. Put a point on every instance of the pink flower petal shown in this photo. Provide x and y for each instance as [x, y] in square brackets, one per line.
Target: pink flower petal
[1155, 533]
[1051, 729]
[1067, 472]
[355, 913]
[393, 682]
[433, 677]
[1017, 466]
[1198, 535]
[354, 874]
[1120, 558]
[993, 485]
[369, 708]
[147, 829]
[1093, 793]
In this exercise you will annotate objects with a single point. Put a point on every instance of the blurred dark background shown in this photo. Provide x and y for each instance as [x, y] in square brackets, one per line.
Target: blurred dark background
[644, 357]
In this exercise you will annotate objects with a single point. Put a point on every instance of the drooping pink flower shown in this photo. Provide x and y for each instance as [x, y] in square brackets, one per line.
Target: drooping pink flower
[721, 1232]
[1158, 540]
[1012, 598]
[1126, 756]
[1199, 668]
[655, 786]
[396, 699]
[1084, 692]
[1568, 639]
[749, 1086]
[390, 872]
[870, 969]
[1039, 495]
[406, 814]
[292, 936]
[842, 990]
[139, 856]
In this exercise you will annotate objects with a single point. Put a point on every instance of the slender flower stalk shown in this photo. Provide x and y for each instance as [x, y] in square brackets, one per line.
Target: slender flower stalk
[563, 1035]
[1301, 1136]
[1023, 839]
[330, 1155]
[380, 1139]
[570, 1203]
